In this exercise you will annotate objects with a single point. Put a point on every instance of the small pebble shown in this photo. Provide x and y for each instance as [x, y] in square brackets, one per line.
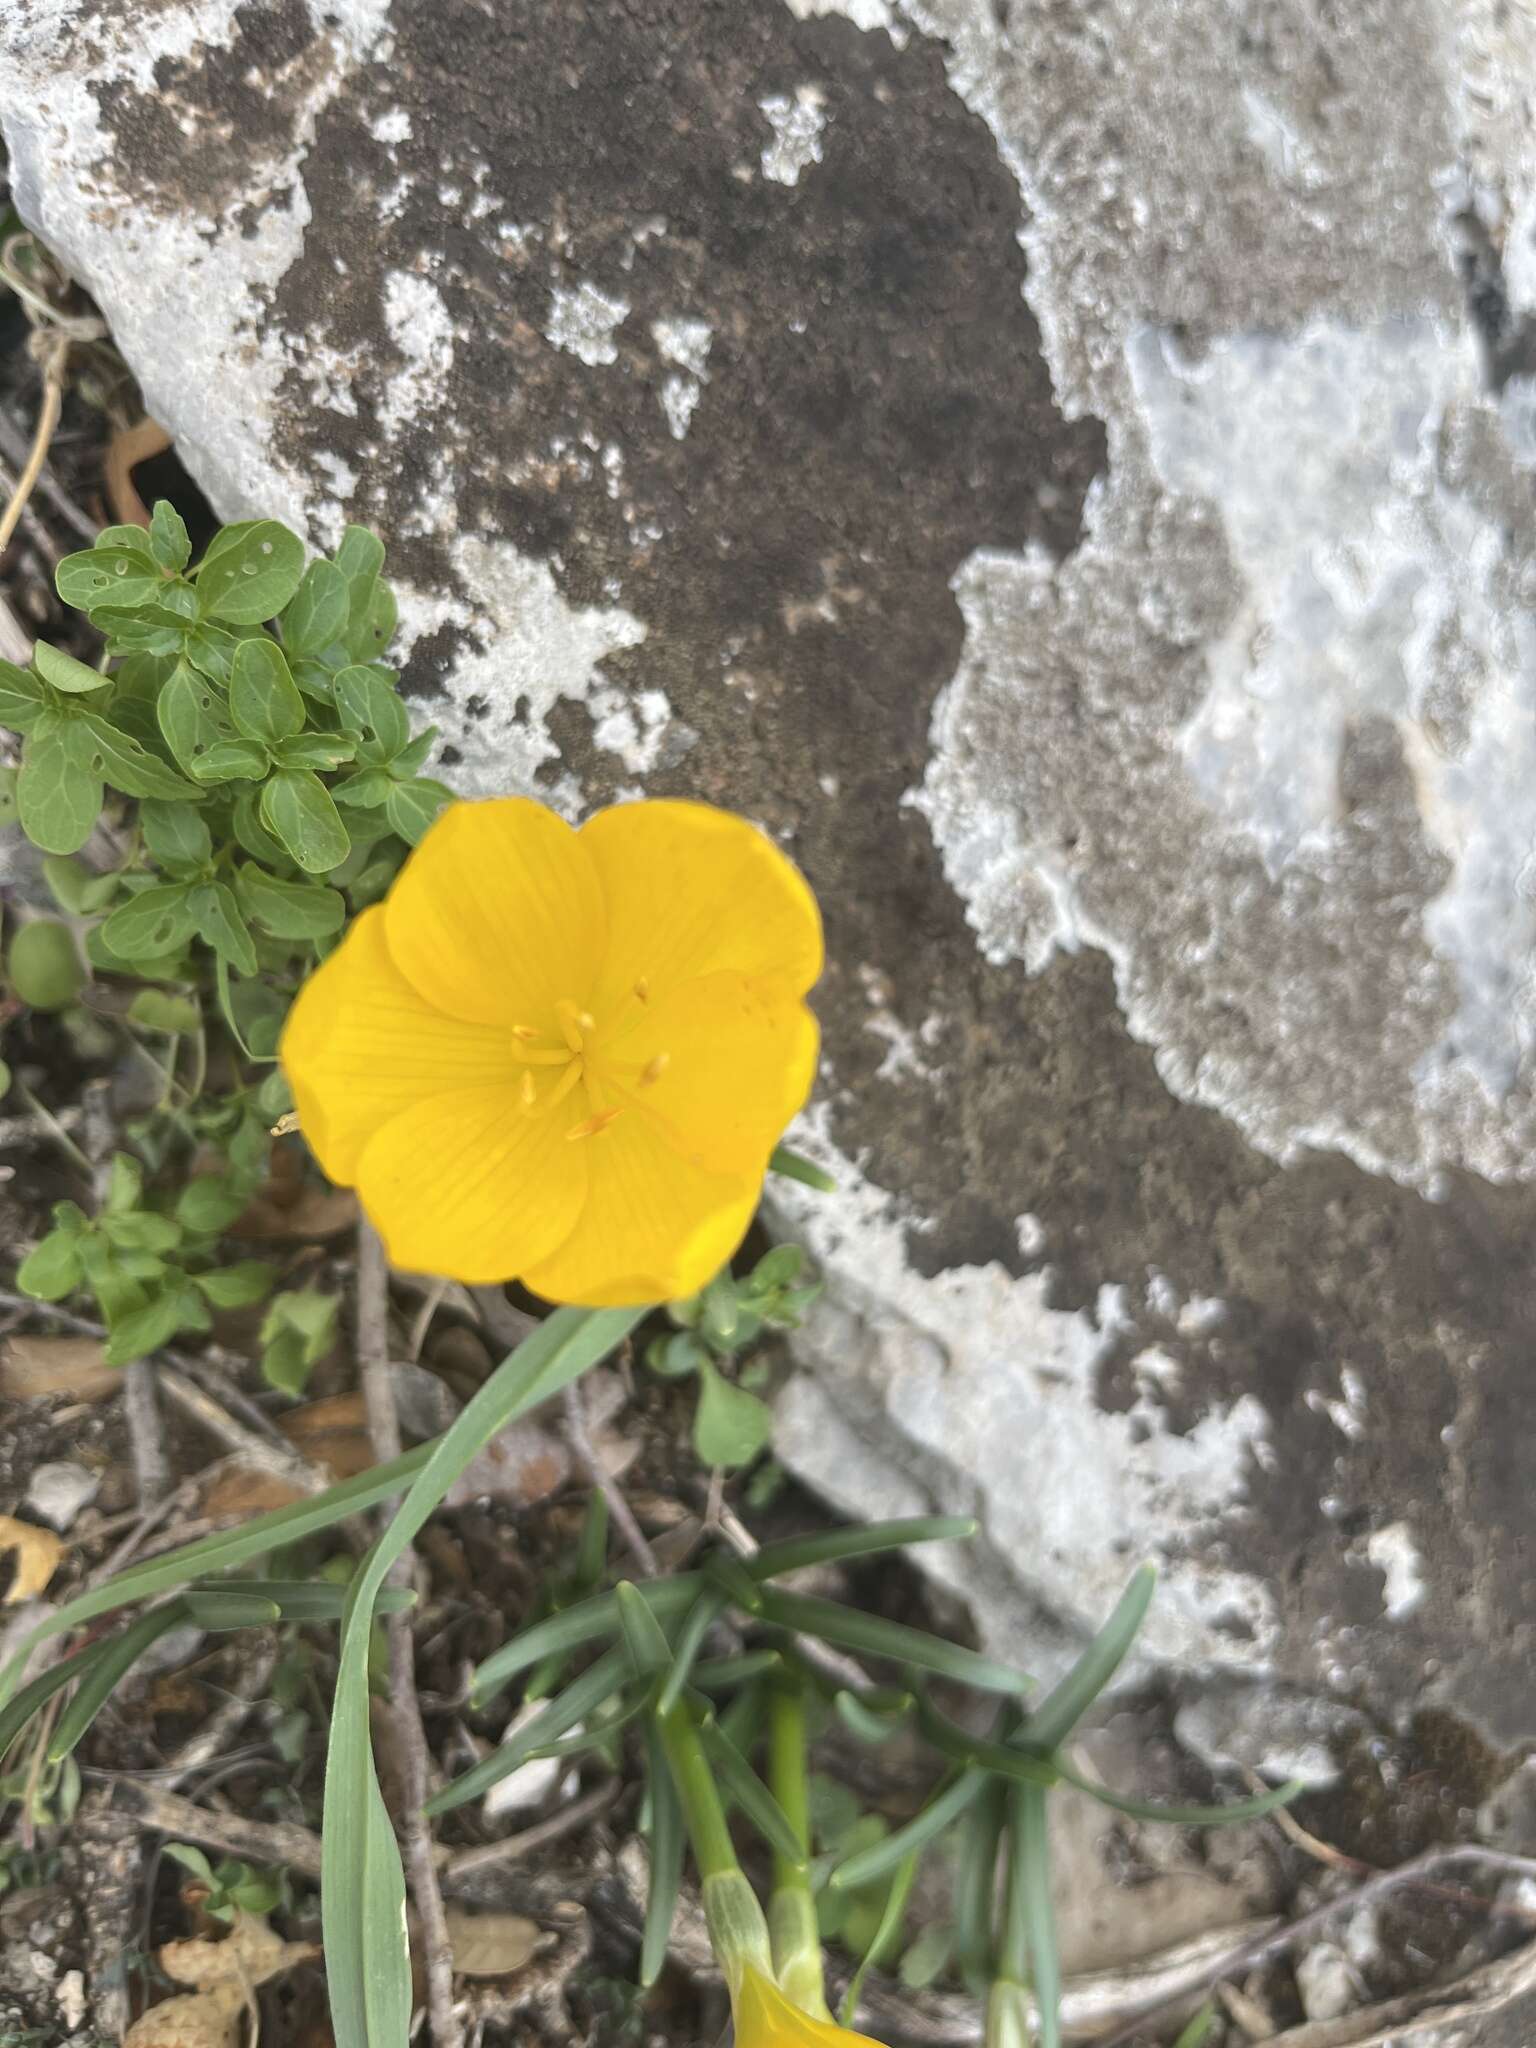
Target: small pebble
[1325, 1982]
[58, 1493]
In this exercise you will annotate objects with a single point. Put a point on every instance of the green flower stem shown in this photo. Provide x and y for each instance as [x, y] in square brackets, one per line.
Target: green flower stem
[708, 1833]
[738, 1932]
[1013, 1935]
[796, 1938]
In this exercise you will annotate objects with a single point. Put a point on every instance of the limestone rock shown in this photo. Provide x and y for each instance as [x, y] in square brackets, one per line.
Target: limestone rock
[1067, 472]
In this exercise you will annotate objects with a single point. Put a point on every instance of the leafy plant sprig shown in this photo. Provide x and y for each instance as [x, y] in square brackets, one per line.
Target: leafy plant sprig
[255, 774]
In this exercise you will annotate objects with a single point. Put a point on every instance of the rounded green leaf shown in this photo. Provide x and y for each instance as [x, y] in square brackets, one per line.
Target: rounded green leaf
[221, 926]
[116, 576]
[411, 807]
[65, 673]
[289, 910]
[251, 577]
[58, 797]
[191, 715]
[154, 1009]
[297, 810]
[730, 1426]
[45, 970]
[175, 833]
[151, 925]
[317, 617]
[231, 761]
[370, 708]
[127, 766]
[53, 1269]
[145, 1329]
[237, 1286]
[23, 697]
[169, 542]
[263, 701]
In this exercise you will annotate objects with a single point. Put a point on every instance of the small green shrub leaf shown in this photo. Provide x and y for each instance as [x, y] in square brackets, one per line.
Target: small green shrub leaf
[317, 616]
[231, 761]
[58, 796]
[221, 926]
[191, 716]
[237, 1286]
[155, 1009]
[127, 766]
[65, 673]
[730, 1426]
[168, 539]
[112, 576]
[263, 701]
[251, 577]
[297, 810]
[411, 807]
[53, 1269]
[152, 924]
[289, 910]
[370, 708]
[145, 1329]
[175, 833]
[23, 697]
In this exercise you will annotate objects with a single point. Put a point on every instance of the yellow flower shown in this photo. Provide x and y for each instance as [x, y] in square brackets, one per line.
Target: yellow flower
[565, 1056]
[765, 2018]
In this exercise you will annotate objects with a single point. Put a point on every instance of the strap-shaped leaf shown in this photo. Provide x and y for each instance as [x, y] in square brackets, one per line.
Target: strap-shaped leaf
[666, 1858]
[798, 1552]
[1236, 1810]
[883, 1856]
[108, 1672]
[585, 1623]
[1064, 1706]
[872, 1636]
[583, 1696]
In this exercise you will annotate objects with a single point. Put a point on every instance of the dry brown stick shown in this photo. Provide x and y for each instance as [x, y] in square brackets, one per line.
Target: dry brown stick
[275, 1843]
[412, 1758]
[1268, 1948]
[52, 351]
[462, 1863]
[623, 1514]
[279, 1459]
[13, 449]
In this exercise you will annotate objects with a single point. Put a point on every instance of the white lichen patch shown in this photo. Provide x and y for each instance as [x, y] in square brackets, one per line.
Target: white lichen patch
[583, 321]
[684, 342]
[421, 327]
[679, 396]
[943, 1385]
[797, 120]
[1395, 1555]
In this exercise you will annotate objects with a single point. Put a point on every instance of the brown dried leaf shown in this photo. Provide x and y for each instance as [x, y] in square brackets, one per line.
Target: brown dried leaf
[523, 1464]
[332, 1431]
[491, 1944]
[203, 2019]
[312, 1214]
[31, 1368]
[37, 1553]
[249, 1954]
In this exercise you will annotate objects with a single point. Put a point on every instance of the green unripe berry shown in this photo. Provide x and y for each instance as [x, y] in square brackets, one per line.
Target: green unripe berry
[46, 971]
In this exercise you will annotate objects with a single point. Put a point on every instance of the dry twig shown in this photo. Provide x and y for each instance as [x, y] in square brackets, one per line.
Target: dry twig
[580, 1440]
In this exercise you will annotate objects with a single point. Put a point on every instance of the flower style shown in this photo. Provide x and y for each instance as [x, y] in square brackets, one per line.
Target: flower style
[564, 1056]
[766, 2018]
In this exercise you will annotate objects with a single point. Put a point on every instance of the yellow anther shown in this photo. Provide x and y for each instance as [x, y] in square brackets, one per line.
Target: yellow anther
[571, 1022]
[590, 1126]
[643, 989]
[525, 1032]
[654, 1068]
[527, 1090]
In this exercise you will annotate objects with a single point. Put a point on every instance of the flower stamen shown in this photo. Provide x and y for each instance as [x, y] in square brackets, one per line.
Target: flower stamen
[573, 1022]
[527, 1090]
[654, 1068]
[564, 1085]
[590, 1126]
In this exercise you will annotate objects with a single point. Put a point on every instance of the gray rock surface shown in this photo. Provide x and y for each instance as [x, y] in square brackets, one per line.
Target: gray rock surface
[1068, 471]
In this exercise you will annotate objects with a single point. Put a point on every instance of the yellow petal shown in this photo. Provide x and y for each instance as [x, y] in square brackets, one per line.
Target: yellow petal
[765, 2018]
[360, 1045]
[468, 1185]
[653, 1227]
[718, 1065]
[691, 890]
[498, 915]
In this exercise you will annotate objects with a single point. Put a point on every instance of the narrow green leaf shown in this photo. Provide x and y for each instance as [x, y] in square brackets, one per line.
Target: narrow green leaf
[176, 833]
[561, 1633]
[263, 701]
[666, 1859]
[58, 798]
[702, 1616]
[875, 1637]
[120, 760]
[64, 672]
[727, 1674]
[1000, 1758]
[168, 539]
[583, 1696]
[108, 1672]
[1183, 1816]
[884, 1856]
[649, 1654]
[297, 810]
[252, 577]
[797, 1553]
[155, 922]
[302, 1600]
[887, 1931]
[1200, 2028]
[739, 1782]
[1065, 1705]
[793, 1166]
[592, 1550]
[981, 1835]
[865, 1723]
[369, 1974]
[1030, 1850]
[221, 926]
[239, 1607]
[21, 1706]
